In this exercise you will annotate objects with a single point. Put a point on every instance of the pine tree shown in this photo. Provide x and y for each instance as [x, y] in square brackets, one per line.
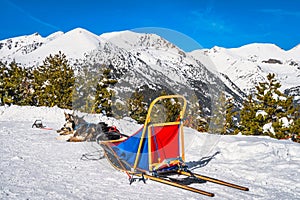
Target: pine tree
[230, 116]
[249, 124]
[217, 121]
[295, 125]
[13, 80]
[137, 107]
[14, 84]
[104, 94]
[172, 108]
[85, 87]
[54, 82]
[270, 107]
[194, 117]
[277, 105]
[223, 120]
[3, 82]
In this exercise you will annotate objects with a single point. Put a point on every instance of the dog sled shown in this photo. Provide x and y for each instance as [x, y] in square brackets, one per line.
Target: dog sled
[156, 151]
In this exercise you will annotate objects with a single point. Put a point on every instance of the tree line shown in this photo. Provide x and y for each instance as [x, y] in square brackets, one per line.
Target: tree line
[50, 84]
[268, 111]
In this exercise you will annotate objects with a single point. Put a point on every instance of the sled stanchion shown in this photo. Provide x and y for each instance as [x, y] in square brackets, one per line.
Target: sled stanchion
[213, 180]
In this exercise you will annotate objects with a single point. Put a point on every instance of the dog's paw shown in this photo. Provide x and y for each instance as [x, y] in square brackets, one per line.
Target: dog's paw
[66, 133]
[76, 139]
[64, 137]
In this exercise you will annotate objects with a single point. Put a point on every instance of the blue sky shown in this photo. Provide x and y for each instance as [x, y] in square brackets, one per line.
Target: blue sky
[225, 23]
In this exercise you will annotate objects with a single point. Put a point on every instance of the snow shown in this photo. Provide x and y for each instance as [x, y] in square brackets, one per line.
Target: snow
[285, 122]
[261, 112]
[74, 44]
[31, 50]
[20, 45]
[295, 51]
[246, 66]
[268, 128]
[264, 50]
[124, 39]
[35, 165]
[130, 40]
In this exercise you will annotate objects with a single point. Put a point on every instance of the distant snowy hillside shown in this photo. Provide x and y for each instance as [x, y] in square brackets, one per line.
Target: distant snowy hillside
[21, 45]
[248, 65]
[74, 44]
[35, 165]
[136, 41]
[295, 52]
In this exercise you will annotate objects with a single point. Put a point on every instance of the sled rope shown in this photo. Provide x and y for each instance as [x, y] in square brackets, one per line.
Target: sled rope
[90, 156]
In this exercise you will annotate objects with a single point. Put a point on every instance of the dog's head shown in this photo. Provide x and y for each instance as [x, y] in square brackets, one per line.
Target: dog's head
[69, 117]
[78, 120]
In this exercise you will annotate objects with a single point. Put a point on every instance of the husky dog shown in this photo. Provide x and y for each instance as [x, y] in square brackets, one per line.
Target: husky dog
[84, 131]
[69, 126]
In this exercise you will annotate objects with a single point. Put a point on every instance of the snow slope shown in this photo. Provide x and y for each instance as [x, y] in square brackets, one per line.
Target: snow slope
[248, 65]
[74, 44]
[34, 165]
[130, 40]
[31, 50]
[20, 45]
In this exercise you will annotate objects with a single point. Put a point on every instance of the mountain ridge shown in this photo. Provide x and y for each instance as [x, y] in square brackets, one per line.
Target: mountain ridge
[240, 68]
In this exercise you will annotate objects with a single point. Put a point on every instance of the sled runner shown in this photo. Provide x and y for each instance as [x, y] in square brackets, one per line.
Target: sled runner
[38, 124]
[156, 151]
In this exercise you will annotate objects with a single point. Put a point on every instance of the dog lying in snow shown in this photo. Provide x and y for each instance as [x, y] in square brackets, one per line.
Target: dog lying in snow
[84, 131]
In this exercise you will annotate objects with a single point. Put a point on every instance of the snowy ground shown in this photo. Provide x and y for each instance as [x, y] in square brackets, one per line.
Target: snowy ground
[35, 165]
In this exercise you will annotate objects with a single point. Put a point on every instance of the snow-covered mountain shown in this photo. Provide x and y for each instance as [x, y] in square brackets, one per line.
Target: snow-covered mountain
[248, 65]
[151, 61]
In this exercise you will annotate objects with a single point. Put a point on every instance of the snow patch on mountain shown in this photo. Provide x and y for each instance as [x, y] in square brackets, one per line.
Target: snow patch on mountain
[12, 47]
[55, 35]
[262, 51]
[295, 52]
[130, 40]
[74, 44]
